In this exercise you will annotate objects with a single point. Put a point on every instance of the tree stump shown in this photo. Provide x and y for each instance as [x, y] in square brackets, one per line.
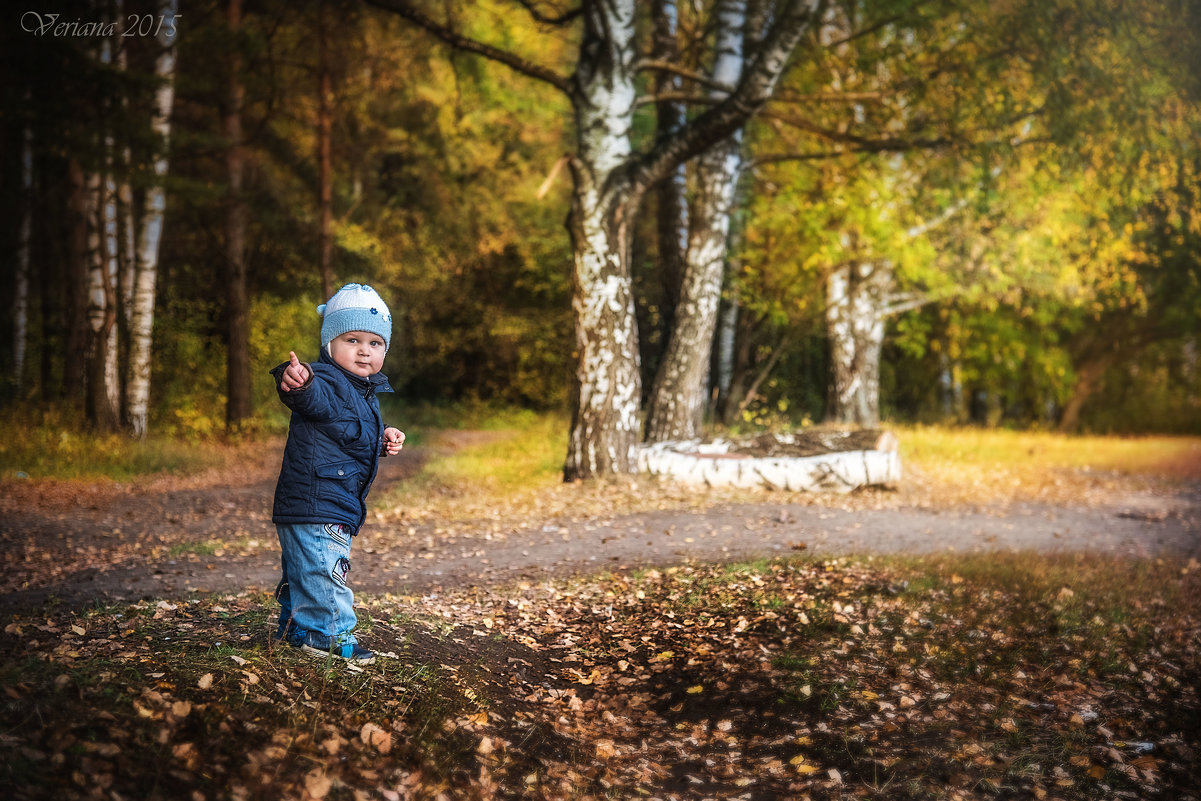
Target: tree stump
[809, 461]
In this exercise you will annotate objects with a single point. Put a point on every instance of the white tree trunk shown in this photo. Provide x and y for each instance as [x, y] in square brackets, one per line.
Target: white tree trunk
[151, 232]
[102, 389]
[679, 395]
[857, 297]
[24, 243]
[125, 210]
[672, 192]
[102, 393]
[727, 329]
[604, 430]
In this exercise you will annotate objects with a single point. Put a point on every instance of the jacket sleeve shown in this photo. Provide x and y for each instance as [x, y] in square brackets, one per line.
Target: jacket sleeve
[313, 400]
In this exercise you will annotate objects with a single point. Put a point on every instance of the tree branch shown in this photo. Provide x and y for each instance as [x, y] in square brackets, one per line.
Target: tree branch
[688, 98]
[782, 158]
[562, 19]
[708, 100]
[907, 302]
[891, 143]
[676, 69]
[827, 97]
[460, 42]
[753, 91]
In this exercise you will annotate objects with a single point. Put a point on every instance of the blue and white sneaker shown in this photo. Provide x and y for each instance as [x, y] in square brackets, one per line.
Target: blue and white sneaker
[320, 647]
[352, 652]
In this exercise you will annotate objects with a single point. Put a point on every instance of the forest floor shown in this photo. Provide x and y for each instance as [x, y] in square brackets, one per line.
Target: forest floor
[944, 639]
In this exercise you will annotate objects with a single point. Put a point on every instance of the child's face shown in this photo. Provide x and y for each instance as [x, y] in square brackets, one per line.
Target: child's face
[360, 352]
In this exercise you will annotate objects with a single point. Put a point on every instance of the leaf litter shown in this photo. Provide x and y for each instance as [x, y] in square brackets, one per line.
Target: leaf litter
[1007, 677]
[1026, 676]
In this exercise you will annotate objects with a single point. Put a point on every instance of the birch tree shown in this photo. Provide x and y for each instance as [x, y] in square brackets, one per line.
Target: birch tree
[678, 395]
[885, 266]
[671, 218]
[103, 394]
[150, 232]
[610, 179]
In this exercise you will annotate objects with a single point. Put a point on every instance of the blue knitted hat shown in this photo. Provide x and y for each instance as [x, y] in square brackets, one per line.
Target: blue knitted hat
[355, 307]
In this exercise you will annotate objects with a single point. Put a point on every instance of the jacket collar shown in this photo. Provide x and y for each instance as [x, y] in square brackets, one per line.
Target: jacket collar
[367, 386]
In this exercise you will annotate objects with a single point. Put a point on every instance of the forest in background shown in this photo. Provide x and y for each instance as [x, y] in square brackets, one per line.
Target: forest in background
[987, 211]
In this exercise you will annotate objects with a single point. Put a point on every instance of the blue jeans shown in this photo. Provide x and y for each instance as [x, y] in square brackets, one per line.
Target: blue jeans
[316, 605]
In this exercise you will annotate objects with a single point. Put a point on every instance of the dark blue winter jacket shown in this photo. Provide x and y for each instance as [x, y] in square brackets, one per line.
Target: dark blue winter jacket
[335, 439]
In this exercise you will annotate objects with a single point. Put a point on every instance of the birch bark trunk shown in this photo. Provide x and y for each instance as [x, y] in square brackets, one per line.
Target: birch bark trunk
[150, 234]
[679, 393]
[101, 385]
[103, 397]
[608, 386]
[671, 193]
[123, 198]
[857, 296]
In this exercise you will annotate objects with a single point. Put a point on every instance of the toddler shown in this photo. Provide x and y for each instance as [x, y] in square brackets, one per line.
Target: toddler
[335, 440]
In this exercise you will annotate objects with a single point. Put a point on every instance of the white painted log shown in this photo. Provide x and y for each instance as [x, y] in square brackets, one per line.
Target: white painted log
[717, 464]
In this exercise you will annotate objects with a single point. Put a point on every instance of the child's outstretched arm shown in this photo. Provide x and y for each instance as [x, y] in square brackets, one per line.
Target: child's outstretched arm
[295, 375]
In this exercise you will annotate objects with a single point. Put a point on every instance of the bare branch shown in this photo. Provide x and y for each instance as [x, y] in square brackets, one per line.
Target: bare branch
[753, 91]
[890, 143]
[907, 301]
[676, 69]
[878, 25]
[826, 97]
[709, 100]
[782, 158]
[675, 97]
[562, 19]
[460, 42]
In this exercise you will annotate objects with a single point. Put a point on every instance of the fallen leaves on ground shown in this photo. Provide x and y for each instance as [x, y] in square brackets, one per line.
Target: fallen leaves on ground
[1021, 677]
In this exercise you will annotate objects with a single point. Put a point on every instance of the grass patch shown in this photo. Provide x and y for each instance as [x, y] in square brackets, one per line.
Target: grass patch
[70, 454]
[1173, 457]
[51, 443]
[490, 458]
[972, 465]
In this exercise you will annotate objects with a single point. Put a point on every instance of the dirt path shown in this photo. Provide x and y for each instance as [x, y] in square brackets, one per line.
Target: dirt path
[75, 545]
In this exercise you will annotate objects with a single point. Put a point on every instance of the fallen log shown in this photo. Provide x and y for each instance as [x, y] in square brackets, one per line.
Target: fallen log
[808, 461]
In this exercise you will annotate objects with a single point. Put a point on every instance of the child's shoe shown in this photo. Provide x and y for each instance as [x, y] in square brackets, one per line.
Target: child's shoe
[351, 652]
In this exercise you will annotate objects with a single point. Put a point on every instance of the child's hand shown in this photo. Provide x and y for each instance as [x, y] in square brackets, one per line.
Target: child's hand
[295, 375]
[394, 440]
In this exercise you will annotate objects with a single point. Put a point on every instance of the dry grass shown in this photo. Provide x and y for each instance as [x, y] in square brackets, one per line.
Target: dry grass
[514, 472]
[968, 465]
